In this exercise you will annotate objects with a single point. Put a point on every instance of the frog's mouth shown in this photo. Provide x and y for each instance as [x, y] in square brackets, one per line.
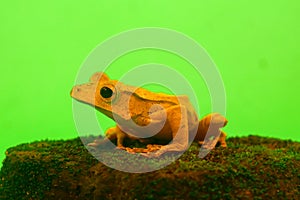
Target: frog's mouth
[84, 93]
[105, 112]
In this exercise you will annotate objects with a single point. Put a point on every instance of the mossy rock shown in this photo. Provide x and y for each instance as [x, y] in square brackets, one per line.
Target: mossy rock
[249, 168]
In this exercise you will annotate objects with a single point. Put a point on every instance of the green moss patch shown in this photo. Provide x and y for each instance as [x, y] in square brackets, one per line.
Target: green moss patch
[250, 168]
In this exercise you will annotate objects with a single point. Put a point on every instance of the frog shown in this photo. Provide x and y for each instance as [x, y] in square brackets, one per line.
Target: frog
[167, 120]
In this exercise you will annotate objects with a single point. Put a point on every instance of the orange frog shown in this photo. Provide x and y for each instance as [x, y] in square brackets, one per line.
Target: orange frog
[153, 118]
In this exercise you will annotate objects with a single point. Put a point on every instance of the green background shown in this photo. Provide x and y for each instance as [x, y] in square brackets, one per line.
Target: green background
[255, 45]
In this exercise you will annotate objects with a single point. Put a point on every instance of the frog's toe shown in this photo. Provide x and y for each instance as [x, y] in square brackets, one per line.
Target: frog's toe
[222, 144]
[98, 142]
[93, 144]
[155, 154]
[209, 146]
[122, 148]
[148, 155]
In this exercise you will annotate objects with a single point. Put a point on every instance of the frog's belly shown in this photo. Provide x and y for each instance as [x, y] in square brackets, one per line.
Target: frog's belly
[156, 130]
[164, 135]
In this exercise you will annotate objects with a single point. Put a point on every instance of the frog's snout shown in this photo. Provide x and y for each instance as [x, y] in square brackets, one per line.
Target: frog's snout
[77, 92]
[74, 90]
[84, 93]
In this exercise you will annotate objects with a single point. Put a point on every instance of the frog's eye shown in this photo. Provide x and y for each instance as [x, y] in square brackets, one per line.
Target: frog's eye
[106, 92]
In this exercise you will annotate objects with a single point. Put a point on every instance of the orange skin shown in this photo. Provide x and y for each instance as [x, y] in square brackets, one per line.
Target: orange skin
[149, 117]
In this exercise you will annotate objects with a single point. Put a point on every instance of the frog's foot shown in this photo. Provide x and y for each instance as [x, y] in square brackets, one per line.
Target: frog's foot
[150, 148]
[158, 150]
[209, 144]
[98, 142]
[222, 140]
[153, 147]
[93, 144]
[136, 150]
[131, 150]
[217, 141]
[110, 134]
[121, 148]
[222, 144]
[155, 154]
[149, 154]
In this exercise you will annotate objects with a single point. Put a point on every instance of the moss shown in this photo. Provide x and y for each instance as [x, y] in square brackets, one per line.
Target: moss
[250, 168]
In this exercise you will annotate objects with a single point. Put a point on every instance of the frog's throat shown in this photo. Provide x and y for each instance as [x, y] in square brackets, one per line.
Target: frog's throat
[114, 116]
[108, 113]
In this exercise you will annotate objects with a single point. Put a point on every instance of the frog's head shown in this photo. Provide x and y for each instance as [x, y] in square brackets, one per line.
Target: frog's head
[102, 93]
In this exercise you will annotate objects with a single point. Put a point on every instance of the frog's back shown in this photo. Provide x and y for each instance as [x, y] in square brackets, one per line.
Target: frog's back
[161, 97]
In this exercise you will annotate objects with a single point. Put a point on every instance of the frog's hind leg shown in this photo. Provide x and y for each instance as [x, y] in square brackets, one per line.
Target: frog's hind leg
[222, 140]
[209, 134]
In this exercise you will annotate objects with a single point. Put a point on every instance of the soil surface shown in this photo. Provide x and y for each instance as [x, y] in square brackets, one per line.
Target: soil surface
[249, 168]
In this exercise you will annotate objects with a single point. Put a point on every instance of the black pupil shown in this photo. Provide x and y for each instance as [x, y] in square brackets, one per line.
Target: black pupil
[106, 92]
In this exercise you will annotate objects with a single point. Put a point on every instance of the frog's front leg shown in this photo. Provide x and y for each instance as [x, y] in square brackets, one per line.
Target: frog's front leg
[111, 134]
[177, 119]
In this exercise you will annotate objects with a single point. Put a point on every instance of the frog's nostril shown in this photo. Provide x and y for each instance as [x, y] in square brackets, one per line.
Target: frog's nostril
[74, 90]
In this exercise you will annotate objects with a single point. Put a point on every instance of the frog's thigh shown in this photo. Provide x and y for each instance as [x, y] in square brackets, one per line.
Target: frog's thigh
[177, 118]
[217, 138]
